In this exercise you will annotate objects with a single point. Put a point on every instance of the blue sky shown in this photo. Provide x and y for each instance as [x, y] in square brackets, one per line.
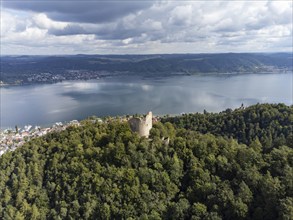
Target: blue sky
[136, 27]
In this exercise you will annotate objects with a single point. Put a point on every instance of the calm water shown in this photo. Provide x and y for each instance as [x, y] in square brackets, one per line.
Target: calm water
[45, 104]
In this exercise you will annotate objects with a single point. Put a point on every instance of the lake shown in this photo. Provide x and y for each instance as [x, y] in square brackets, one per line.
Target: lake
[68, 100]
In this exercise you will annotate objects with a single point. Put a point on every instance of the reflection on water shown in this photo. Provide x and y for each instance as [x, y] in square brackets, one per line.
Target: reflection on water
[45, 104]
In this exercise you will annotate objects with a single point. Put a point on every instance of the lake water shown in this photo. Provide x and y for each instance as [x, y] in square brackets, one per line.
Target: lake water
[46, 104]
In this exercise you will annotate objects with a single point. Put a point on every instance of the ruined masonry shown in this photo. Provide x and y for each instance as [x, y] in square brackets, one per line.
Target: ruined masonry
[142, 125]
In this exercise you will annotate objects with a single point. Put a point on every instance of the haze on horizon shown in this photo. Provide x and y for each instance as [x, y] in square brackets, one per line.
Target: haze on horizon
[44, 27]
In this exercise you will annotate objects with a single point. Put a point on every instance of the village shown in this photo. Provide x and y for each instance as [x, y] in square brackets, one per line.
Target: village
[10, 139]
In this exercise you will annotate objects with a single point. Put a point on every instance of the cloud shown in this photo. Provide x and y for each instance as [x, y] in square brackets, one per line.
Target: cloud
[181, 15]
[11, 24]
[146, 26]
[69, 29]
[80, 11]
[43, 22]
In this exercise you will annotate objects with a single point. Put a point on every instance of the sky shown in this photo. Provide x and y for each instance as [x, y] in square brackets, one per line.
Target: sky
[52, 27]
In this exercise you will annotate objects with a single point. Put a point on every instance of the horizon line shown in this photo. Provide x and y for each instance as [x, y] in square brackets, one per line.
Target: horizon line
[141, 54]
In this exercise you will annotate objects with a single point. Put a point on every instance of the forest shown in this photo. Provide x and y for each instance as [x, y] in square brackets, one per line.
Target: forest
[236, 164]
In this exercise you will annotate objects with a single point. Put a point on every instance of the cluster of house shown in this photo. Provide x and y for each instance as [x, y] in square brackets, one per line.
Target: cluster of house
[11, 139]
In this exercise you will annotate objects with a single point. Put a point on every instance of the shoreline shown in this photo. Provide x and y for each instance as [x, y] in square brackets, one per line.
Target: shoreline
[5, 85]
[11, 139]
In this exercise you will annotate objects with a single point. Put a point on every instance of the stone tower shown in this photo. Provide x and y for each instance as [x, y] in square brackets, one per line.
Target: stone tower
[142, 125]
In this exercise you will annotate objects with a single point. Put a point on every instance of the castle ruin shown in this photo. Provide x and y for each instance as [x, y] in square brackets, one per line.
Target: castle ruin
[142, 125]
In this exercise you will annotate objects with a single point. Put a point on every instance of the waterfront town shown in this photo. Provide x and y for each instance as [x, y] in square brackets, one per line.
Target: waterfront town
[10, 139]
[51, 77]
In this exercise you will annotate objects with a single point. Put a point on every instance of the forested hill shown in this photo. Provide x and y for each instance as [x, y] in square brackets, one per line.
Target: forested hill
[33, 69]
[271, 124]
[104, 171]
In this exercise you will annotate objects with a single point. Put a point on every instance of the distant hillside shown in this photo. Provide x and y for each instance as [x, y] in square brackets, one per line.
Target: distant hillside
[21, 68]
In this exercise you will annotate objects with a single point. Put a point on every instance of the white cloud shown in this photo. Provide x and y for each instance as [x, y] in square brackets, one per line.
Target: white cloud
[42, 21]
[181, 15]
[11, 23]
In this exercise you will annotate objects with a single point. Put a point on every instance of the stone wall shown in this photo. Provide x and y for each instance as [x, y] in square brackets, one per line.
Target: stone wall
[142, 125]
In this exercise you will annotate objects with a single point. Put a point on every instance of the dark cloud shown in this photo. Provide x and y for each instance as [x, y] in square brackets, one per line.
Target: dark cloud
[115, 32]
[68, 30]
[136, 28]
[80, 11]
